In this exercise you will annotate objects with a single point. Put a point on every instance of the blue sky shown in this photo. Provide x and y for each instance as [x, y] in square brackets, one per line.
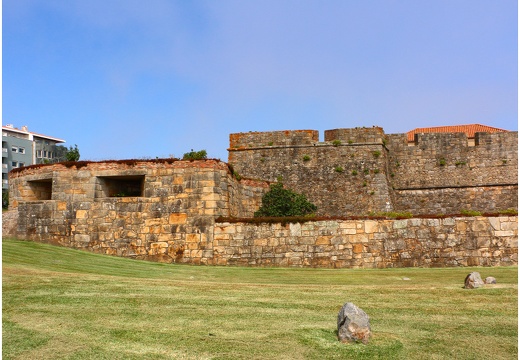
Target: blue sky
[136, 79]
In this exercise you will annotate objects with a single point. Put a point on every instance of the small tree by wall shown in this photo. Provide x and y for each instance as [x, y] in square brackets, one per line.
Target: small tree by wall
[72, 154]
[280, 202]
[195, 155]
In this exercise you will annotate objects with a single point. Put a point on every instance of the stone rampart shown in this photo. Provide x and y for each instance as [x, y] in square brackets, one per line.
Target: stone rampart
[362, 170]
[167, 209]
[460, 241]
[343, 177]
[126, 208]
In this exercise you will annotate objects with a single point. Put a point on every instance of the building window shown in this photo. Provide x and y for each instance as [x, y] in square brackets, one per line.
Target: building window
[14, 149]
[21, 164]
[14, 164]
[21, 150]
[39, 154]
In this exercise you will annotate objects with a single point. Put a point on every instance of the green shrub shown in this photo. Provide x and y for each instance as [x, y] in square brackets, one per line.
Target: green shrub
[376, 153]
[195, 155]
[508, 212]
[306, 157]
[442, 162]
[470, 212]
[336, 142]
[280, 202]
[338, 169]
[354, 172]
[72, 154]
[392, 214]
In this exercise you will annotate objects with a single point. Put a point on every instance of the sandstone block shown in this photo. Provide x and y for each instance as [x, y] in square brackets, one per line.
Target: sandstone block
[357, 248]
[192, 238]
[82, 238]
[323, 240]
[371, 227]
[81, 214]
[177, 218]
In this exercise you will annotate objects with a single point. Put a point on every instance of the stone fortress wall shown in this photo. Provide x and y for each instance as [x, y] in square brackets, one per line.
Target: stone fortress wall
[194, 211]
[172, 204]
[356, 171]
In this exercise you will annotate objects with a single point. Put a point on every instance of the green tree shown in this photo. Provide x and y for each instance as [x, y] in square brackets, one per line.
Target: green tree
[72, 154]
[195, 155]
[5, 199]
[280, 202]
[60, 153]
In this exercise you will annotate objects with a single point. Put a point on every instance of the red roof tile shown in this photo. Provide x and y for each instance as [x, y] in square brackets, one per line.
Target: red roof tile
[470, 130]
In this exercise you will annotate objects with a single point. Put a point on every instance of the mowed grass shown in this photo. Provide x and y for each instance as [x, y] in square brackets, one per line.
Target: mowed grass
[60, 303]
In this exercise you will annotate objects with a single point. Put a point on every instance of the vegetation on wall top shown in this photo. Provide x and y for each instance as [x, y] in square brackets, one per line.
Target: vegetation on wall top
[195, 155]
[72, 154]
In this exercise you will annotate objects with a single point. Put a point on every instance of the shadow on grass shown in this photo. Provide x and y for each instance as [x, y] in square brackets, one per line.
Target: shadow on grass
[324, 344]
[17, 340]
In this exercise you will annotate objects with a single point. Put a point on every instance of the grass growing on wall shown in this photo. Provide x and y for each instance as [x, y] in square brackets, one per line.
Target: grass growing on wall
[60, 303]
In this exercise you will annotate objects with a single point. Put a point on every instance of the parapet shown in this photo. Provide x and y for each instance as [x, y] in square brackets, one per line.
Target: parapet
[251, 140]
[273, 138]
[357, 135]
[441, 140]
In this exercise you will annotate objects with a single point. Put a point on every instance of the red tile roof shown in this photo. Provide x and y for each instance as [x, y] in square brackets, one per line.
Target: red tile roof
[470, 130]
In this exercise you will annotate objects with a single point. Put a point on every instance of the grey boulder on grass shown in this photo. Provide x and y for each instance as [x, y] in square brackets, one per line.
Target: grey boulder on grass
[353, 324]
[473, 281]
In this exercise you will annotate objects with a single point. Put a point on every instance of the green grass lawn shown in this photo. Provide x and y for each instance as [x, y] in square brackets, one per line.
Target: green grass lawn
[60, 303]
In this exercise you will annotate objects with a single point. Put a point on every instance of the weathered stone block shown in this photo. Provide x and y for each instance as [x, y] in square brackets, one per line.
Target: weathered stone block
[357, 248]
[177, 218]
[324, 240]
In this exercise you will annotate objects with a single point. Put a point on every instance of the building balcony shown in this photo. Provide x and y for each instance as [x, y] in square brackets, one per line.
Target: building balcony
[5, 184]
[5, 169]
[4, 152]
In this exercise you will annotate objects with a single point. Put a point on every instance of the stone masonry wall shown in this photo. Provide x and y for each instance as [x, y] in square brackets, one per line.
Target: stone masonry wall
[325, 172]
[177, 204]
[362, 170]
[461, 241]
[441, 173]
[166, 209]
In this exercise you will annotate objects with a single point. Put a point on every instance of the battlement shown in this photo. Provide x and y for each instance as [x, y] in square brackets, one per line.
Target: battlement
[357, 135]
[363, 169]
[273, 138]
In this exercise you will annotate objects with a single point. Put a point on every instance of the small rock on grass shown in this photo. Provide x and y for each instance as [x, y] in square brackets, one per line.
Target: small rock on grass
[490, 280]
